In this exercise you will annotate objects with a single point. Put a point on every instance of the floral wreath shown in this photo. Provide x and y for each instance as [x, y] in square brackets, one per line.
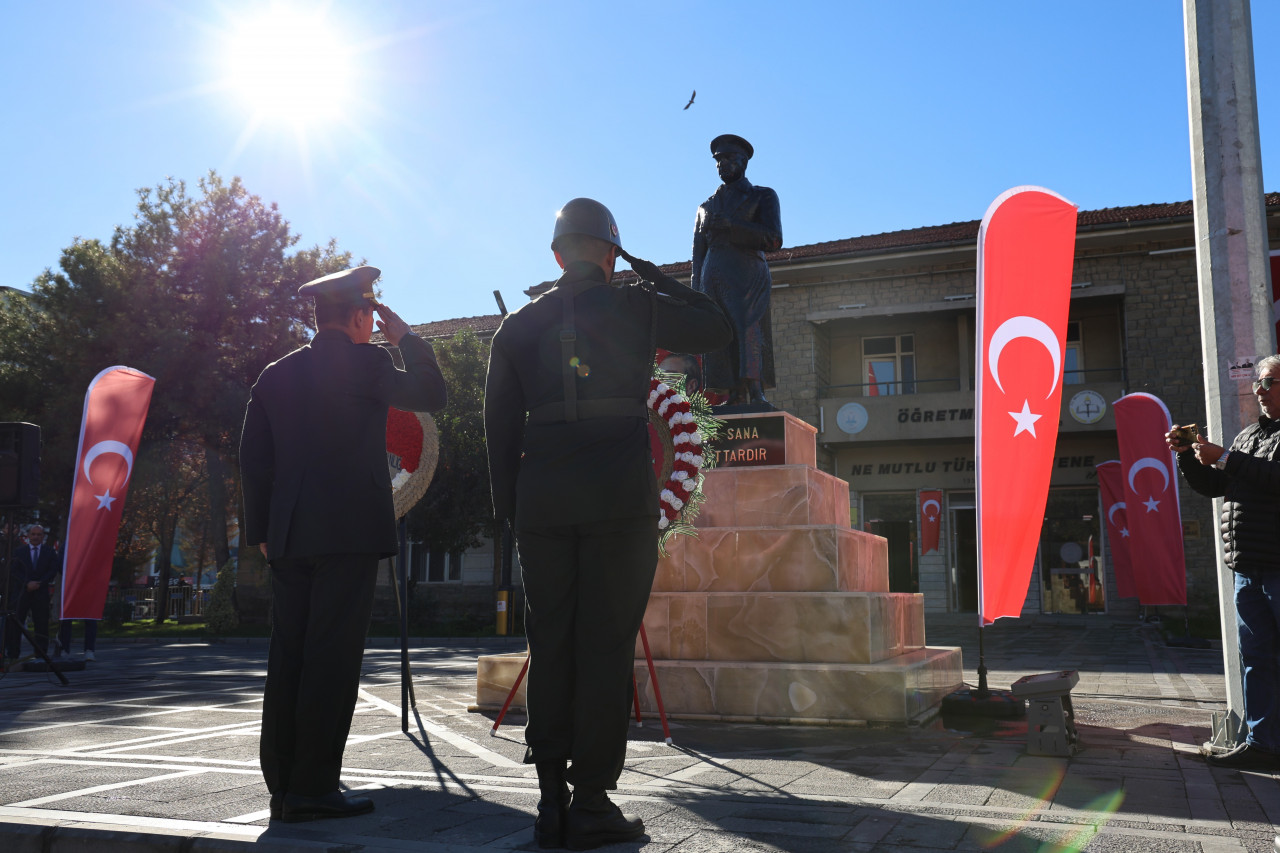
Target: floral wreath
[685, 428]
[413, 446]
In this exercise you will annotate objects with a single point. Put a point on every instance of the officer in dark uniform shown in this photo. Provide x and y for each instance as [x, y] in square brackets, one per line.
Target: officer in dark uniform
[570, 466]
[318, 503]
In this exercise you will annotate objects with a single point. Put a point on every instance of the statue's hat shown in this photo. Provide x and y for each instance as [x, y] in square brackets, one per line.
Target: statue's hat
[350, 287]
[727, 141]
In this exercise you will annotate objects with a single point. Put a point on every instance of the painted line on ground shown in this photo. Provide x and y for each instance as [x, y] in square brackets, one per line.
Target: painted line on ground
[97, 789]
[445, 734]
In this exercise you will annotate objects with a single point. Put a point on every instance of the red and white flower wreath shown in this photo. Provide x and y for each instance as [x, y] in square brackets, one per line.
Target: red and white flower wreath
[686, 440]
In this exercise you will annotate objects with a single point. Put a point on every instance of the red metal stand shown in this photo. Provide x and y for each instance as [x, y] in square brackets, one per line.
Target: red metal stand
[653, 675]
[657, 691]
[505, 705]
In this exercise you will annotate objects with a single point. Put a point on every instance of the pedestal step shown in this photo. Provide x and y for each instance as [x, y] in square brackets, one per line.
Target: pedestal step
[897, 691]
[814, 558]
[832, 627]
[774, 495]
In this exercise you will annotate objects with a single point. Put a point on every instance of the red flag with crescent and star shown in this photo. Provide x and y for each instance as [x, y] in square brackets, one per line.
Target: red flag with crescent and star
[1115, 509]
[1025, 250]
[115, 408]
[930, 520]
[1149, 476]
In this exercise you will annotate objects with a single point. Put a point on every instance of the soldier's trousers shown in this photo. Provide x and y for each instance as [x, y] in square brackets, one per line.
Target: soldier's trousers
[587, 586]
[320, 609]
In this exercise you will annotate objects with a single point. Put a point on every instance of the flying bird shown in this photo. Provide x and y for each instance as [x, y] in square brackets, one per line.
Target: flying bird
[691, 97]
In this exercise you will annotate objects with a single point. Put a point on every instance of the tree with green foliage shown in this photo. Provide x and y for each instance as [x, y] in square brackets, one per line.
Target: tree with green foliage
[456, 510]
[199, 292]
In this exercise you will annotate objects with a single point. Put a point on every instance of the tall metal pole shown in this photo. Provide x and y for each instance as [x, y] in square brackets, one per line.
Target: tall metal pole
[1236, 324]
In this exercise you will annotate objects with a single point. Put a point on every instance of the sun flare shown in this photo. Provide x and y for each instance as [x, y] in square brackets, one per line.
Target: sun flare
[289, 65]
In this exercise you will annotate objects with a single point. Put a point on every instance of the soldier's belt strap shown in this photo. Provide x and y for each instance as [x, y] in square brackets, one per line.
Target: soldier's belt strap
[604, 407]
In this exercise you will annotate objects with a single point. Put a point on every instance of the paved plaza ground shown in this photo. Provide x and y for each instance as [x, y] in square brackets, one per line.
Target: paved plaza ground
[154, 747]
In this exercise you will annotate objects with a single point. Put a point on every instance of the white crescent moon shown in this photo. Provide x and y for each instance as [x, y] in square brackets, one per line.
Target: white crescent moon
[1111, 512]
[925, 505]
[1024, 327]
[1149, 462]
[117, 447]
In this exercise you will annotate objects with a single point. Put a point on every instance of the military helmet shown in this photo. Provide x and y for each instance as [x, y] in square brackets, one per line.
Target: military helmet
[586, 216]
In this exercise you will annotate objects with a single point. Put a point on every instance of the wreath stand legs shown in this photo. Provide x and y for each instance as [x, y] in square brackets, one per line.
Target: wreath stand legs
[653, 676]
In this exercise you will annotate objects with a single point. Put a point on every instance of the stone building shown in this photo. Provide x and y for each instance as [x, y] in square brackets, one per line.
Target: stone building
[874, 346]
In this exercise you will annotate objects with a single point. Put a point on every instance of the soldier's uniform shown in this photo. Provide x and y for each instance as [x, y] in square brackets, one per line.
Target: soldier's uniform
[317, 490]
[577, 481]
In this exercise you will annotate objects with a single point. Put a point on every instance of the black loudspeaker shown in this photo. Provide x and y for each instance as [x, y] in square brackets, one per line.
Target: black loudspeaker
[19, 464]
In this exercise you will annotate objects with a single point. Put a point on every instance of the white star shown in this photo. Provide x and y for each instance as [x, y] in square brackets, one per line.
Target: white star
[105, 500]
[1026, 420]
[1124, 533]
[1152, 504]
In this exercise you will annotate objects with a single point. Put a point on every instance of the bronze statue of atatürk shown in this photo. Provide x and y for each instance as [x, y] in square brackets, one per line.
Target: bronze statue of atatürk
[734, 228]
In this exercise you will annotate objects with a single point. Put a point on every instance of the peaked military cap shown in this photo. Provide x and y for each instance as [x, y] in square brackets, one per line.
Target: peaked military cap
[349, 286]
[727, 141]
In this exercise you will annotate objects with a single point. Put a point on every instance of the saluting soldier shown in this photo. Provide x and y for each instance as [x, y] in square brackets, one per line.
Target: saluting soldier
[318, 503]
[566, 420]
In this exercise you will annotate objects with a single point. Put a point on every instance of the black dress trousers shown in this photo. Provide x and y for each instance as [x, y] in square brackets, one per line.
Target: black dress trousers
[320, 615]
[587, 586]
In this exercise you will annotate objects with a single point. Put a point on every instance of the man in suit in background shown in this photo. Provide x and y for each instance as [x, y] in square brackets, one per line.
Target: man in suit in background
[318, 504]
[34, 568]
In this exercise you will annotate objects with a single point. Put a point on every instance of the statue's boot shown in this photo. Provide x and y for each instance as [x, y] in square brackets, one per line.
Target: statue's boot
[756, 393]
[738, 395]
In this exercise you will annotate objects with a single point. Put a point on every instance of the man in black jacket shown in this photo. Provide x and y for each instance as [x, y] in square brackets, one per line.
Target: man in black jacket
[318, 503]
[35, 567]
[577, 482]
[1248, 477]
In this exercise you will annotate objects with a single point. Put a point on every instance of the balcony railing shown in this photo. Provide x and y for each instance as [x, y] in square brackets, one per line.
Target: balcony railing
[936, 386]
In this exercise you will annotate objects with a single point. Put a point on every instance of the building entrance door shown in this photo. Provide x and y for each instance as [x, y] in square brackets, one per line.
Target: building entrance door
[964, 559]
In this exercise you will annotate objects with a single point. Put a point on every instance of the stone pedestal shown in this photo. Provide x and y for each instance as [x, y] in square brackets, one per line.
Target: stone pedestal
[778, 611]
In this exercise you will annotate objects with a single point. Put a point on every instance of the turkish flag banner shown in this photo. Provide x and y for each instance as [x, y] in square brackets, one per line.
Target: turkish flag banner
[115, 408]
[930, 520]
[1149, 476]
[1115, 511]
[1025, 249]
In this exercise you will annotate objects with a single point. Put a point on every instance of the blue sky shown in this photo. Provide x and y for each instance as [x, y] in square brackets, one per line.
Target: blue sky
[464, 126]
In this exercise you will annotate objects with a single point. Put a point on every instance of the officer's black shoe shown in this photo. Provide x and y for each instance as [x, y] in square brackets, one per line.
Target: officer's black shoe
[553, 804]
[1246, 756]
[297, 808]
[277, 802]
[595, 821]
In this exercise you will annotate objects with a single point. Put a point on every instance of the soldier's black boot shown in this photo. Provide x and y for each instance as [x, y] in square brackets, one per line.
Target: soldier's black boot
[595, 821]
[553, 805]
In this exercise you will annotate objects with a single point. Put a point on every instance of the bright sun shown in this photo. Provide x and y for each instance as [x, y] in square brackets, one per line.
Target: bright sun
[289, 65]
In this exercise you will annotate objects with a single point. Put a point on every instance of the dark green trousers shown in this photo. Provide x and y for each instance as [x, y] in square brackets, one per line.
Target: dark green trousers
[587, 586]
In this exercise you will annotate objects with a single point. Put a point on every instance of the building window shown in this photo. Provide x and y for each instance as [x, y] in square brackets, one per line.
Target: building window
[441, 566]
[418, 562]
[1073, 366]
[891, 365]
